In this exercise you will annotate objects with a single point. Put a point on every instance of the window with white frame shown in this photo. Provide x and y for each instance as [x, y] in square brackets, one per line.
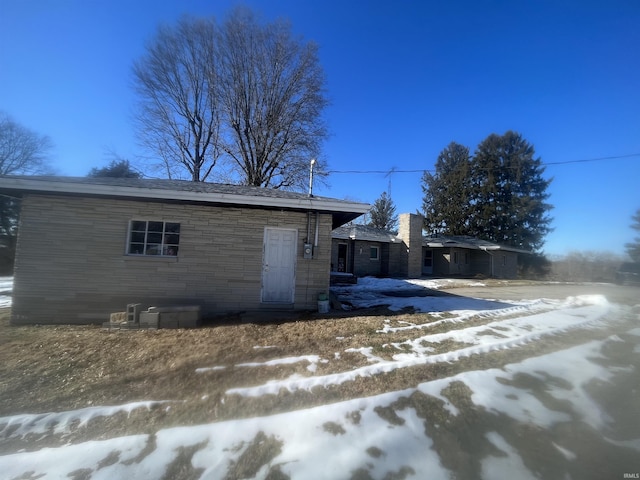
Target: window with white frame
[374, 253]
[152, 238]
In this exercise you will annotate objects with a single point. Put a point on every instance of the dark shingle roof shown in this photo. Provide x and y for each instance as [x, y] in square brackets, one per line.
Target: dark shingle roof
[363, 232]
[465, 241]
[177, 186]
[180, 190]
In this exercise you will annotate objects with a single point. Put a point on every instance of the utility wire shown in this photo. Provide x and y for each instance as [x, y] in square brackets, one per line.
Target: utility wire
[422, 170]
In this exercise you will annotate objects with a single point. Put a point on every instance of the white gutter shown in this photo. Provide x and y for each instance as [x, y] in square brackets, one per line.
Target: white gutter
[307, 203]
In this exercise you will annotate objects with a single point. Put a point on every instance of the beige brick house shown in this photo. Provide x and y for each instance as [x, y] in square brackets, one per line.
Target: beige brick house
[90, 246]
[361, 251]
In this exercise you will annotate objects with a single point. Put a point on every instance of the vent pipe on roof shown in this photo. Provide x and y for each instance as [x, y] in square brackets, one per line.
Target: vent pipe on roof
[313, 162]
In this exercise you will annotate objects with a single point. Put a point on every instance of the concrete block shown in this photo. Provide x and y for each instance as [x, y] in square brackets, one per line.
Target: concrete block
[149, 320]
[168, 323]
[118, 317]
[133, 312]
[185, 322]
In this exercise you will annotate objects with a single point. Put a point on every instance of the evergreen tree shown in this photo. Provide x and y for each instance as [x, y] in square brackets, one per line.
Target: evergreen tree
[383, 214]
[116, 169]
[499, 194]
[509, 194]
[446, 194]
[633, 248]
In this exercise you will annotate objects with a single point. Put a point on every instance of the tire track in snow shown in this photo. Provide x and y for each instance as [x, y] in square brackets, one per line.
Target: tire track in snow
[573, 313]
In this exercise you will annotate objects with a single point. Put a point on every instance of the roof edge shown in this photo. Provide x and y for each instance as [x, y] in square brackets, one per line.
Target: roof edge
[310, 203]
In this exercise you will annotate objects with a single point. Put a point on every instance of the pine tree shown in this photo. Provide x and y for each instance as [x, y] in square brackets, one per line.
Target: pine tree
[633, 248]
[383, 214]
[446, 194]
[509, 195]
[116, 169]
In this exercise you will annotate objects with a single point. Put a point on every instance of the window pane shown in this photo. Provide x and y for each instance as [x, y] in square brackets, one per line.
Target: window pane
[138, 226]
[172, 239]
[170, 250]
[137, 237]
[152, 250]
[136, 249]
[156, 226]
[154, 238]
[172, 228]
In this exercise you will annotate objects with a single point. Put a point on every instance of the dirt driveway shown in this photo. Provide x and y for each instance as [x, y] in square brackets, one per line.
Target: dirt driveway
[625, 295]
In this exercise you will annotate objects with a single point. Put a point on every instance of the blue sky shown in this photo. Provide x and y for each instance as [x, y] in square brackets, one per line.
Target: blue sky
[405, 78]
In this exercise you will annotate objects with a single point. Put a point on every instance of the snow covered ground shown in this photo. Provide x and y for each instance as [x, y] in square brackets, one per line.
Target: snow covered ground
[546, 416]
[6, 285]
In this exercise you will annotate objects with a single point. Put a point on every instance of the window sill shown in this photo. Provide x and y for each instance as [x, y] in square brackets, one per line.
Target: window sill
[151, 258]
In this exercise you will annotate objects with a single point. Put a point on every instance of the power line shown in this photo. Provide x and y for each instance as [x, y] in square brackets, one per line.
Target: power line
[422, 170]
[599, 159]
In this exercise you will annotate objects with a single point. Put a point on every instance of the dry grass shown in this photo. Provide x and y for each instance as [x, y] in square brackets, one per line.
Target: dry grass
[58, 368]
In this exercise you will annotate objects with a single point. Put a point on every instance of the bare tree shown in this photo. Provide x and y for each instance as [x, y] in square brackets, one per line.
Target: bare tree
[273, 97]
[178, 116]
[248, 91]
[22, 152]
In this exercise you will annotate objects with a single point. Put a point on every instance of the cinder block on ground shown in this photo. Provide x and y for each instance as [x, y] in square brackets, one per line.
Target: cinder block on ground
[168, 323]
[118, 317]
[186, 322]
[149, 319]
[180, 316]
[133, 312]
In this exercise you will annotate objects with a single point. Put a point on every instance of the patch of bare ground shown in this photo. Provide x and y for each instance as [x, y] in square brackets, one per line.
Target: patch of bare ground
[60, 368]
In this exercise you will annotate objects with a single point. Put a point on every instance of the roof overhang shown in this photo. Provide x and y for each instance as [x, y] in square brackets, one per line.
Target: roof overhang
[488, 247]
[342, 211]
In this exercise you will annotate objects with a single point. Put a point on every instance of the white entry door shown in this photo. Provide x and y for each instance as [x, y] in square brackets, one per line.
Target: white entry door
[279, 265]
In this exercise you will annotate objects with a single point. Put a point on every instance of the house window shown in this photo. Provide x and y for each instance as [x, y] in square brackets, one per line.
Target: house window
[428, 258]
[504, 260]
[153, 238]
[374, 253]
[455, 258]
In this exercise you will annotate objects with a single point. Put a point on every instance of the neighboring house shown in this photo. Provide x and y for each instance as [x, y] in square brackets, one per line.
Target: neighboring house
[361, 250]
[468, 256]
[87, 247]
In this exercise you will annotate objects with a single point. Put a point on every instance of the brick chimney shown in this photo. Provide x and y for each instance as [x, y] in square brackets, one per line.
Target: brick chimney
[410, 232]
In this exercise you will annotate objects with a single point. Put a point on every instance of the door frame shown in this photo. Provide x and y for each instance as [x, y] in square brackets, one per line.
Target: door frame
[294, 255]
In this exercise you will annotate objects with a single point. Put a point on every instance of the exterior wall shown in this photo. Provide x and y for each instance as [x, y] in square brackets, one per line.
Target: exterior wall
[498, 264]
[363, 265]
[480, 263]
[71, 265]
[441, 261]
[398, 258]
[452, 261]
[410, 231]
[505, 264]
